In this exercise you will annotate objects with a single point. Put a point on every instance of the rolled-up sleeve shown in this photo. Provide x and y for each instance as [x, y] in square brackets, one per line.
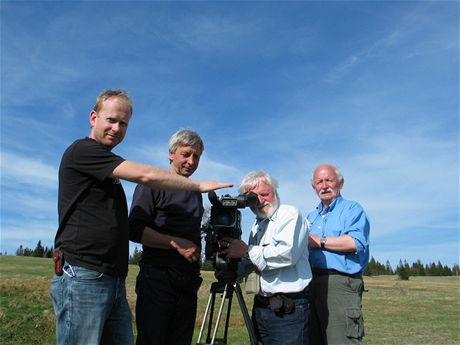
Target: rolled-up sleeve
[357, 226]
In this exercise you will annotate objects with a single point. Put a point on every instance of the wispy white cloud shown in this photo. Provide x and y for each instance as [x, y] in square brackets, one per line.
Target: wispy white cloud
[28, 235]
[36, 202]
[401, 41]
[214, 34]
[26, 171]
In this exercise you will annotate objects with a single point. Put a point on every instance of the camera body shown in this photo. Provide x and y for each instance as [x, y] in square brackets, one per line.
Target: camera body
[225, 222]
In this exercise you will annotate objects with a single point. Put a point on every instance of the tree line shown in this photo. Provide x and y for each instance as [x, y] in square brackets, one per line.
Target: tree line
[40, 251]
[403, 270]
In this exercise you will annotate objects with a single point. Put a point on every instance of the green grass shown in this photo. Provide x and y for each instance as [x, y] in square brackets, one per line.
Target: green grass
[422, 310]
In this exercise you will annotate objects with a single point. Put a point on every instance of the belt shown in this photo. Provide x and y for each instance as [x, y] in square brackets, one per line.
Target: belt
[327, 272]
[265, 300]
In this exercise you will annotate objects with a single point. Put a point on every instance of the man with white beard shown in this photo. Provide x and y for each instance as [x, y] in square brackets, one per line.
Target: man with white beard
[278, 248]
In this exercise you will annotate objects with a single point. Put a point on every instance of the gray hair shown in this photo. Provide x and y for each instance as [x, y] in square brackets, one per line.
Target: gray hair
[185, 137]
[254, 178]
[337, 172]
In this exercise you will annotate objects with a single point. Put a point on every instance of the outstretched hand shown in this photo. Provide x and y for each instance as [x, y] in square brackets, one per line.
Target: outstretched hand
[210, 185]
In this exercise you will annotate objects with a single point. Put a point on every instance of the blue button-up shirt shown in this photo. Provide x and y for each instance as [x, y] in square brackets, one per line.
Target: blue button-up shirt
[342, 217]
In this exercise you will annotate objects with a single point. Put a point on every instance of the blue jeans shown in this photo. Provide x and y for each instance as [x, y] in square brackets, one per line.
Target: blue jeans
[282, 329]
[91, 308]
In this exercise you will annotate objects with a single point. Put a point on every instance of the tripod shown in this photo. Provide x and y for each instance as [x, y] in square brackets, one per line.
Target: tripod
[226, 288]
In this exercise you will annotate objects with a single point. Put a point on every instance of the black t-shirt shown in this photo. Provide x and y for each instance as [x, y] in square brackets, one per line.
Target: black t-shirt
[176, 213]
[92, 209]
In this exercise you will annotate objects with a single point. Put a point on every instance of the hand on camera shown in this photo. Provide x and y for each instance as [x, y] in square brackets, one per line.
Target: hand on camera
[233, 248]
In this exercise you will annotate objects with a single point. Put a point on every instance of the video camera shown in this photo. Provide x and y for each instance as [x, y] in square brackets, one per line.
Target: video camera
[225, 222]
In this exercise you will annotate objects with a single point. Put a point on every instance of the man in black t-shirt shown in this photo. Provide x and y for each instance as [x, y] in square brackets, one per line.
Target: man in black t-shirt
[89, 294]
[168, 223]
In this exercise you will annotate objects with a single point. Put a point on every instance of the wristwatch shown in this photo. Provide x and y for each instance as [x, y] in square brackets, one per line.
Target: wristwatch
[322, 241]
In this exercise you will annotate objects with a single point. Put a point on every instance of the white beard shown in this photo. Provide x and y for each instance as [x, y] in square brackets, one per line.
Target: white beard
[270, 211]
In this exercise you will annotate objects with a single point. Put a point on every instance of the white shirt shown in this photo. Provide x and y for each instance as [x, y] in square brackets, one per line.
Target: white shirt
[278, 247]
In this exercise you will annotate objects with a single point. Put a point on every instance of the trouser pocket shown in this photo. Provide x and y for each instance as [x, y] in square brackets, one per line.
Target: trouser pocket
[355, 323]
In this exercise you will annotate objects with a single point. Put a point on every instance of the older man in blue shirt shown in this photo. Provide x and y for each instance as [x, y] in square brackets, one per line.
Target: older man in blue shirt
[339, 253]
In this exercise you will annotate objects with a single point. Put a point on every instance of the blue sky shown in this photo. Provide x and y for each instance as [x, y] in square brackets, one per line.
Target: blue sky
[372, 87]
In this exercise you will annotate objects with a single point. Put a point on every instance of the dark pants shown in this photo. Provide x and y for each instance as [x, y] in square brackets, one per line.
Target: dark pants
[336, 309]
[275, 328]
[165, 313]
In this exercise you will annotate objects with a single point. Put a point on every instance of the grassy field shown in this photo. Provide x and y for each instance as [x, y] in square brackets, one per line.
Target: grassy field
[422, 310]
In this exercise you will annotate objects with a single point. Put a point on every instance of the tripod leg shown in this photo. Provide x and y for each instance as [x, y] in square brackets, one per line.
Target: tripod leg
[227, 292]
[229, 309]
[244, 311]
[220, 314]
[211, 298]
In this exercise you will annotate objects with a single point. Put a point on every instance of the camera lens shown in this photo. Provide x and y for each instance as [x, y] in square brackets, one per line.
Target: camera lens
[225, 218]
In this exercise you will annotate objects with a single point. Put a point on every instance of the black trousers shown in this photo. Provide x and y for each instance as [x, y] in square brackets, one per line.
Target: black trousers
[165, 314]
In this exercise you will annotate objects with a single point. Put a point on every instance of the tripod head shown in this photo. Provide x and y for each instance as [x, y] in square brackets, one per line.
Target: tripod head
[225, 270]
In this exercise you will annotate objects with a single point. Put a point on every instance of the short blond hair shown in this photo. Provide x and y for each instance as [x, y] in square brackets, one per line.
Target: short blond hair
[120, 94]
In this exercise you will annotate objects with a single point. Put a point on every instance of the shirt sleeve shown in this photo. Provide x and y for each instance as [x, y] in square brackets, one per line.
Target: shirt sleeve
[142, 212]
[357, 226]
[284, 248]
[94, 159]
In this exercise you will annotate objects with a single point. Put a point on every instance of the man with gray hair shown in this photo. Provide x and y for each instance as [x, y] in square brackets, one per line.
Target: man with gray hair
[168, 223]
[339, 253]
[278, 248]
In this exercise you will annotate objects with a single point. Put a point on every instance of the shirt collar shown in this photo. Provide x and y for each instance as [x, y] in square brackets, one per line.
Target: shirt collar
[331, 207]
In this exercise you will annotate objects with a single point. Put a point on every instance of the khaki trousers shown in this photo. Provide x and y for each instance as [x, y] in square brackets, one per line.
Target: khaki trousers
[336, 309]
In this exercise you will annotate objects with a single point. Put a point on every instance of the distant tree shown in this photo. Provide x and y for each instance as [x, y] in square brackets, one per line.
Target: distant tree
[371, 269]
[417, 269]
[376, 268]
[388, 268]
[48, 252]
[403, 270]
[456, 270]
[206, 265]
[437, 269]
[446, 271]
[20, 251]
[431, 269]
[28, 252]
[136, 257]
[39, 250]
